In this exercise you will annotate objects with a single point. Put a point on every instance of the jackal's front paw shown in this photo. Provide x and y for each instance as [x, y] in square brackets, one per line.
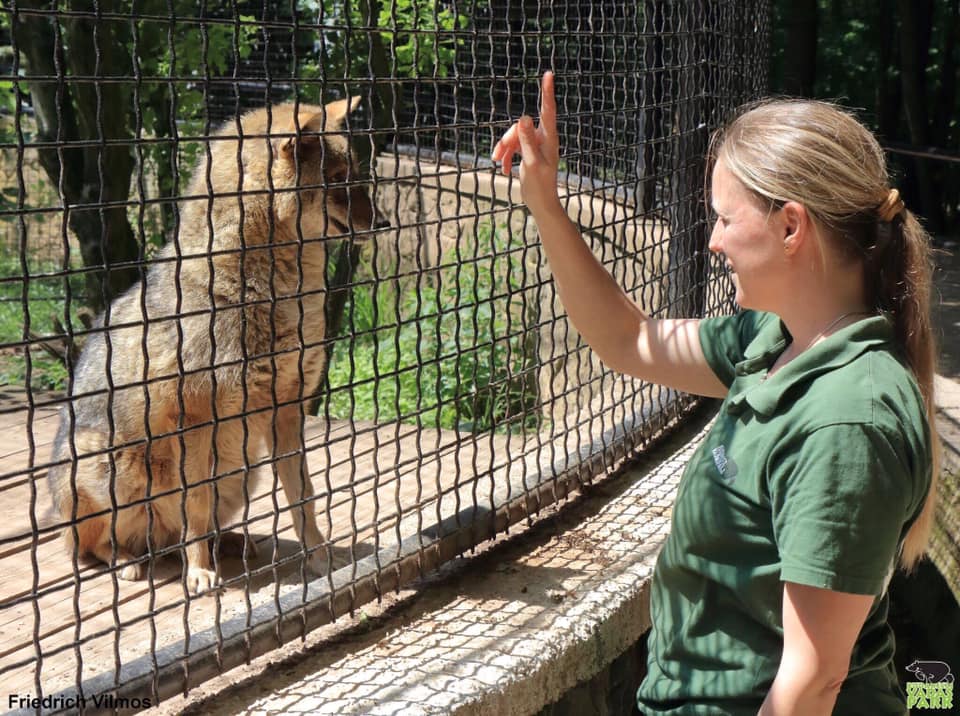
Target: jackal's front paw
[132, 572]
[200, 580]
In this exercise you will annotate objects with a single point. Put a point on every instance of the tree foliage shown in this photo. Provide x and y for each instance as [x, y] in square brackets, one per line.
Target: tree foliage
[420, 37]
[119, 88]
[896, 62]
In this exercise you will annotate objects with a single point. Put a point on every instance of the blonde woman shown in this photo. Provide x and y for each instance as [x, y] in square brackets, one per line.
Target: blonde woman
[770, 594]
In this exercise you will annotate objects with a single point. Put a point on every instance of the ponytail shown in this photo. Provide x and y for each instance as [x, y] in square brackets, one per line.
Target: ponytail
[901, 268]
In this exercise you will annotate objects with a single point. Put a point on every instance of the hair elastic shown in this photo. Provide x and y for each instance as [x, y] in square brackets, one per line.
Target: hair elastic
[891, 207]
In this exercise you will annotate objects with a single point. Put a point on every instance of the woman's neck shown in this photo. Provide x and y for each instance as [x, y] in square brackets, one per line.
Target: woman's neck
[808, 330]
[822, 301]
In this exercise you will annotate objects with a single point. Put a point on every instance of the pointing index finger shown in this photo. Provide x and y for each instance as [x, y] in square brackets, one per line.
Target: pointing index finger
[548, 106]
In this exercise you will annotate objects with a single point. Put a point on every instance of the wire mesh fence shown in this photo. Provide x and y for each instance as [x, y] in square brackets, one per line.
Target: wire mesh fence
[274, 337]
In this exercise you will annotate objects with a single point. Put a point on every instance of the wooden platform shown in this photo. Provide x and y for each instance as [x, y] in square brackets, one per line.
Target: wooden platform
[84, 621]
[62, 624]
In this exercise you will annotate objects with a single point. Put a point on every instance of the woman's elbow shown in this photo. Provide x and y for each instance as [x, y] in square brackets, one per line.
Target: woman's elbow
[806, 688]
[832, 685]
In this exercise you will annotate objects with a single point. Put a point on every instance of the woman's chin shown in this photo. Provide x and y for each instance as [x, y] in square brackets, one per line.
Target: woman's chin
[738, 296]
[742, 300]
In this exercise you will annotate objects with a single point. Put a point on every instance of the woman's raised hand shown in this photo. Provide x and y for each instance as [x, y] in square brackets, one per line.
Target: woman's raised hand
[539, 149]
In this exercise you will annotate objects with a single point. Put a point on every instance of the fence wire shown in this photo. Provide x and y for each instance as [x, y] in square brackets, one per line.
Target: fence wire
[275, 339]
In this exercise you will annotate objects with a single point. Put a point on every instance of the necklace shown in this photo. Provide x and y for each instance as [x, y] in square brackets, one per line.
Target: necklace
[834, 322]
[816, 338]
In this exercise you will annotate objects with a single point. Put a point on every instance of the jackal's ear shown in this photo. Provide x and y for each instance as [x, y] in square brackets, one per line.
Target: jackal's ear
[283, 147]
[332, 118]
[337, 111]
[307, 134]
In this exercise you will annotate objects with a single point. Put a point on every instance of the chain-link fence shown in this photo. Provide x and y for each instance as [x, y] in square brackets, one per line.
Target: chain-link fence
[275, 338]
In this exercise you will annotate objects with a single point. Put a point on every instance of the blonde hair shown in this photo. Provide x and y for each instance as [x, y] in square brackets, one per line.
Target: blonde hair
[822, 157]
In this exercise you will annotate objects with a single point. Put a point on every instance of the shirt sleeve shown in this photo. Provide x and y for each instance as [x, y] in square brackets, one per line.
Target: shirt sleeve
[840, 508]
[724, 340]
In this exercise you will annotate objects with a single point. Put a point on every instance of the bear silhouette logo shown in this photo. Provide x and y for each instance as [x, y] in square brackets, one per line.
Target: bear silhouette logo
[931, 672]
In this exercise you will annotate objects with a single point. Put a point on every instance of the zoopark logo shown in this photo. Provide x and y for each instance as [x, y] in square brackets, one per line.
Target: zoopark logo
[933, 688]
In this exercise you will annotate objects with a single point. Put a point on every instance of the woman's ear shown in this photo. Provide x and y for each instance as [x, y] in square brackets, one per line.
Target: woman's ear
[795, 226]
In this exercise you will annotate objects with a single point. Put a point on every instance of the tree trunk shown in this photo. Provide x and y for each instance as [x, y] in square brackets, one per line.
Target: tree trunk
[165, 157]
[947, 96]
[93, 181]
[800, 50]
[383, 101]
[689, 135]
[105, 235]
[383, 97]
[888, 94]
[916, 18]
[650, 116]
[37, 38]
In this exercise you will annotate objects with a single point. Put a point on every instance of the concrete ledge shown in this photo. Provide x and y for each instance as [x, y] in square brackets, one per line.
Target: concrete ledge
[507, 632]
[945, 542]
[948, 421]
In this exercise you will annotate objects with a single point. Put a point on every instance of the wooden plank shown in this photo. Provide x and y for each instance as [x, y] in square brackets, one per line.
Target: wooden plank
[371, 477]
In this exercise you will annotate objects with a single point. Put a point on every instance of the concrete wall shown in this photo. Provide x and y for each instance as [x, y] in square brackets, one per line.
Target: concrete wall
[612, 692]
[436, 208]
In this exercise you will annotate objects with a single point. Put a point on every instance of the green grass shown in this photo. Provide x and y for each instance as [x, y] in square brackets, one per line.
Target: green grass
[455, 349]
[30, 305]
[46, 372]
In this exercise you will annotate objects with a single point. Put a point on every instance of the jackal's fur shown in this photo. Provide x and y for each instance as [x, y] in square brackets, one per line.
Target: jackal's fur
[214, 350]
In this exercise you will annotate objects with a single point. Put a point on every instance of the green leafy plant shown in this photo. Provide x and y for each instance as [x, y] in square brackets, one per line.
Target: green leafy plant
[419, 38]
[457, 352]
[30, 308]
[420, 34]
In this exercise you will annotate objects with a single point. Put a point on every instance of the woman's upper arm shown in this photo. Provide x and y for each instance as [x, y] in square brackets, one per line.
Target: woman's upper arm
[820, 628]
[668, 352]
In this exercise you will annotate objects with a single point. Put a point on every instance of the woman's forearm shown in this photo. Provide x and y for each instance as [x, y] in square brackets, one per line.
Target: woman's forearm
[598, 307]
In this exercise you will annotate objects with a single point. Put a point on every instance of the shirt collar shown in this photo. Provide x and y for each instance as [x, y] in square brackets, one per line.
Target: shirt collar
[835, 351]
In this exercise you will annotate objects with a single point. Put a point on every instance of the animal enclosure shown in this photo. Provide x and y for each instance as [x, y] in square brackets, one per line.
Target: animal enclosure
[276, 339]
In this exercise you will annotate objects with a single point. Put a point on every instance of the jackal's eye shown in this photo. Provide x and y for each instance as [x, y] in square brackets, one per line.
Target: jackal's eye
[337, 173]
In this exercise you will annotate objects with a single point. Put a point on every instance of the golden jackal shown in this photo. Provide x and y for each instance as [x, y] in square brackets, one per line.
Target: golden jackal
[203, 366]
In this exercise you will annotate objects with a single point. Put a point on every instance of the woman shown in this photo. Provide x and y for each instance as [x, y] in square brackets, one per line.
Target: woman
[770, 593]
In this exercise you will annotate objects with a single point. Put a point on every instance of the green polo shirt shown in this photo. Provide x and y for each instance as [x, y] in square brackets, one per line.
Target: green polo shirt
[814, 477]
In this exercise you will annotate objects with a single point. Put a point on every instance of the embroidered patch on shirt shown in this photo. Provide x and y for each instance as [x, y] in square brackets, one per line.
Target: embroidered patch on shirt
[725, 465]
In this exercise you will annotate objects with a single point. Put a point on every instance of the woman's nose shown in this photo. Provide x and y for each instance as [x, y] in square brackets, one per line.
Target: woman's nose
[714, 244]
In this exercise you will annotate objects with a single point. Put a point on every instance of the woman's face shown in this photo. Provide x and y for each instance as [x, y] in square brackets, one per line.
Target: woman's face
[751, 241]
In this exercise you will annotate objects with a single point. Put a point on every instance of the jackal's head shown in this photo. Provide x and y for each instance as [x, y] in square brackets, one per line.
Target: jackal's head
[299, 165]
